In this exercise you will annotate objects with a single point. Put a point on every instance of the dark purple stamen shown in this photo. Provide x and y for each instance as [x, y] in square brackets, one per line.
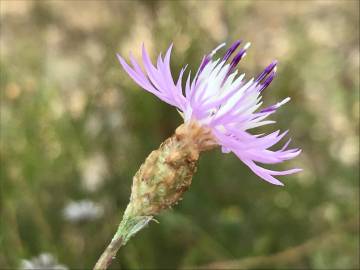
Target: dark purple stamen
[231, 50]
[266, 71]
[235, 61]
[233, 64]
[237, 58]
[268, 109]
[204, 62]
[267, 81]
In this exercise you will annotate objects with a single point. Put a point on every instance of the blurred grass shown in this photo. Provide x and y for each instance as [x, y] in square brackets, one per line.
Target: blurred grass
[74, 126]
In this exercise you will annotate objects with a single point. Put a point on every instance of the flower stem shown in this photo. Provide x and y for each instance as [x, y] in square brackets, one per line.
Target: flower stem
[128, 227]
[109, 253]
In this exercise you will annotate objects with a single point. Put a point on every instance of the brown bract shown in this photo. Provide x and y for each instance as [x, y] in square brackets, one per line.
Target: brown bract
[167, 172]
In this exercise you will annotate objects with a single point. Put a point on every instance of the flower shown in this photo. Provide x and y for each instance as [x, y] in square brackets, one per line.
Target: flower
[218, 99]
[43, 261]
[82, 210]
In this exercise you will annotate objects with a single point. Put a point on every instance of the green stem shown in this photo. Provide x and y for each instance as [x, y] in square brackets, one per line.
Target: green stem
[128, 227]
[109, 253]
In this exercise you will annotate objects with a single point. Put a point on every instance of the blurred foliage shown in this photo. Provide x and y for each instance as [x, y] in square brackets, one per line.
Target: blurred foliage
[74, 127]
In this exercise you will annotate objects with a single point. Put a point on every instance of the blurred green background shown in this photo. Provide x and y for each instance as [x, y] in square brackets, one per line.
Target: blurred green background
[75, 127]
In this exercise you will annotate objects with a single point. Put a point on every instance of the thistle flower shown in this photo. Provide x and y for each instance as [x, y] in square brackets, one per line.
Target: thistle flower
[222, 102]
[219, 108]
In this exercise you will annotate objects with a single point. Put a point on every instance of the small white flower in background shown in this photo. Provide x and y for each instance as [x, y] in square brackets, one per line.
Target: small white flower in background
[82, 210]
[43, 261]
[94, 170]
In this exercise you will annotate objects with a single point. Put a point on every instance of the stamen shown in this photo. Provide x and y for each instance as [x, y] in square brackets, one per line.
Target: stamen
[267, 70]
[207, 58]
[217, 48]
[247, 45]
[241, 54]
[276, 106]
[204, 62]
[231, 50]
[267, 81]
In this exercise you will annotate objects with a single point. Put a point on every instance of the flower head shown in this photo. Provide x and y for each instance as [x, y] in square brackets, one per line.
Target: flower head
[220, 100]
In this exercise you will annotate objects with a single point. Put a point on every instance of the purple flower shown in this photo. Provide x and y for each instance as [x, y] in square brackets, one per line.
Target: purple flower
[222, 101]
